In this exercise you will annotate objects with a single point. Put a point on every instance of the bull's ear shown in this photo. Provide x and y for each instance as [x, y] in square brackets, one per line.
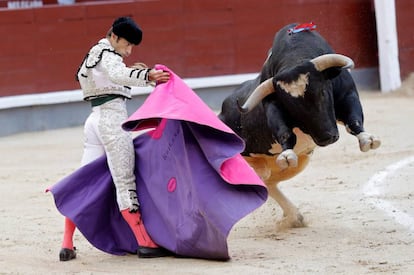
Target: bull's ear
[332, 72]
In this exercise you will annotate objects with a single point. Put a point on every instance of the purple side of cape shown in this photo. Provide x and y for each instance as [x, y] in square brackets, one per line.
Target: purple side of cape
[189, 202]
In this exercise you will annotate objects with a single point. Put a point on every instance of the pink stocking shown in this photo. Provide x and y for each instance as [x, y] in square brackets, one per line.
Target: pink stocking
[68, 234]
[137, 226]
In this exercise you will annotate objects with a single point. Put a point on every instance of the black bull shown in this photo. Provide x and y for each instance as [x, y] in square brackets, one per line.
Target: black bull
[302, 91]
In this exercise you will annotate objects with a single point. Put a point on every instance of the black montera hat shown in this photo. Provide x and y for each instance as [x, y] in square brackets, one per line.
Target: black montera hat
[126, 28]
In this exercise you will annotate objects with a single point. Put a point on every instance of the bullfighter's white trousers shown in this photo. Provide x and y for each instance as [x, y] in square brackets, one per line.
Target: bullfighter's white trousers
[104, 135]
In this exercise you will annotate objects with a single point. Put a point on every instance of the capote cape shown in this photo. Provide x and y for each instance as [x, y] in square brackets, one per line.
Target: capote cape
[192, 183]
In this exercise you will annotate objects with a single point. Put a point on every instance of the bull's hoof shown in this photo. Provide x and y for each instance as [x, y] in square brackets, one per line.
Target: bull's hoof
[287, 159]
[368, 141]
[292, 221]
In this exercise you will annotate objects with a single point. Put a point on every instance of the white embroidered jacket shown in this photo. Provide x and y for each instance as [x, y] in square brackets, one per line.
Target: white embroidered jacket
[103, 72]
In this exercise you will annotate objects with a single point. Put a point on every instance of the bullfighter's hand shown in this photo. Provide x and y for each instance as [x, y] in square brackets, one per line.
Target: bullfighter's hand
[158, 76]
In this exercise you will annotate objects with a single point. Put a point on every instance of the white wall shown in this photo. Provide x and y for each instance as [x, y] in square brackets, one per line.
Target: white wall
[389, 65]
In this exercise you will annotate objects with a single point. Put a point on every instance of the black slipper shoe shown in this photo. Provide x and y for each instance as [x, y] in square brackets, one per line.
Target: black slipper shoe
[153, 252]
[67, 254]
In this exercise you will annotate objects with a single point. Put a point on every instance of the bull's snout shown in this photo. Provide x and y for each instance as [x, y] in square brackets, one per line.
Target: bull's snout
[327, 139]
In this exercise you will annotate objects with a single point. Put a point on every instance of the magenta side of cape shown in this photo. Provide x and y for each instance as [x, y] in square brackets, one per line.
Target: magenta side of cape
[175, 100]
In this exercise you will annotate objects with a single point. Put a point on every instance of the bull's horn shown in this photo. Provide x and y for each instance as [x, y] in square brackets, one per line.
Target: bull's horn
[326, 61]
[261, 91]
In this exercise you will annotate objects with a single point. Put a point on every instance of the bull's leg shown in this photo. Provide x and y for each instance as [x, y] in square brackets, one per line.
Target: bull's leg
[291, 215]
[349, 111]
[270, 172]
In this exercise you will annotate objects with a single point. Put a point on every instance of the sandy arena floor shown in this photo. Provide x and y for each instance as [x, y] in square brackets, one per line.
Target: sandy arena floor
[358, 206]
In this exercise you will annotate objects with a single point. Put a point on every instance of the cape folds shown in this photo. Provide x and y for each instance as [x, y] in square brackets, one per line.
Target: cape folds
[192, 183]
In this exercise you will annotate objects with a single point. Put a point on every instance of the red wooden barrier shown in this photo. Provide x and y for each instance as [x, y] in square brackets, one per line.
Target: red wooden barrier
[405, 11]
[43, 47]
